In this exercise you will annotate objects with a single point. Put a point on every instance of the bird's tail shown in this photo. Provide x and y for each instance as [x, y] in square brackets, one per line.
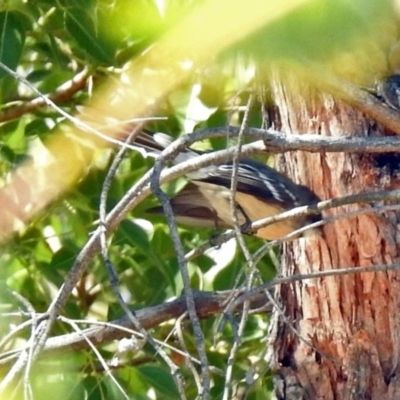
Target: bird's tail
[155, 143]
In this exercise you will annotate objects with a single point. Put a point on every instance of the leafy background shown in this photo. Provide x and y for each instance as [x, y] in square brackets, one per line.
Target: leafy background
[50, 43]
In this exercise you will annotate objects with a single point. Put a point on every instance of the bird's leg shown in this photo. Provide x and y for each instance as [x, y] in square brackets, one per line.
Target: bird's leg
[245, 227]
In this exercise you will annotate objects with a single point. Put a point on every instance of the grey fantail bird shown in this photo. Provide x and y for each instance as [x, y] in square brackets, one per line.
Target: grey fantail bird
[261, 192]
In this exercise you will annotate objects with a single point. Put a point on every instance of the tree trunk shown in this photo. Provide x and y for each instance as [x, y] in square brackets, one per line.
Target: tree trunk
[347, 344]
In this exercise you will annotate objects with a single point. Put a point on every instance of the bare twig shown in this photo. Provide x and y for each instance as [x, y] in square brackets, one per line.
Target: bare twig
[207, 304]
[188, 360]
[26, 357]
[386, 195]
[77, 122]
[250, 275]
[278, 142]
[112, 273]
[101, 359]
[191, 309]
[142, 189]
[315, 275]
[61, 94]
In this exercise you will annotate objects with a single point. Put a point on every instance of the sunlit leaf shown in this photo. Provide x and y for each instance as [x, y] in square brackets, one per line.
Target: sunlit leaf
[323, 31]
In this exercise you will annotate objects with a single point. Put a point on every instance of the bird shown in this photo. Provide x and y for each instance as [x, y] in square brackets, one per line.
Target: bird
[261, 192]
[389, 90]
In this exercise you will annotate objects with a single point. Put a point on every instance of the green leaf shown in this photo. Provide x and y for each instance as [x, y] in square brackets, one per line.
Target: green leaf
[135, 235]
[60, 263]
[7, 154]
[95, 389]
[63, 259]
[81, 24]
[12, 39]
[11, 157]
[160, 380]
[36, 127]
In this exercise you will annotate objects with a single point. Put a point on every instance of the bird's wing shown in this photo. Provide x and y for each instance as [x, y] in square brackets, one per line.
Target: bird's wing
[259, 180]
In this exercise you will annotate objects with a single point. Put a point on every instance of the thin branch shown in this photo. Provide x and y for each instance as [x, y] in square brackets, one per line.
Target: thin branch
[278, 142]
[135, 336]
[207, 304]
[101, 359]
[26, 357]
[77, 122]
[142, 189]
[191, 309]
[374, 210]
[188, 360]
[112, 273]
[314, 275]
[238, 332]
[61, 94]
[386, 195]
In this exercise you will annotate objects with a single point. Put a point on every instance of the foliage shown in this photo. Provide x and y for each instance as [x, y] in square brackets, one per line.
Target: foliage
[50, 43]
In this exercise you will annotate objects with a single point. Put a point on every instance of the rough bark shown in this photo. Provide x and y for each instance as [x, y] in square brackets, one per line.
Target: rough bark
[348, 345]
